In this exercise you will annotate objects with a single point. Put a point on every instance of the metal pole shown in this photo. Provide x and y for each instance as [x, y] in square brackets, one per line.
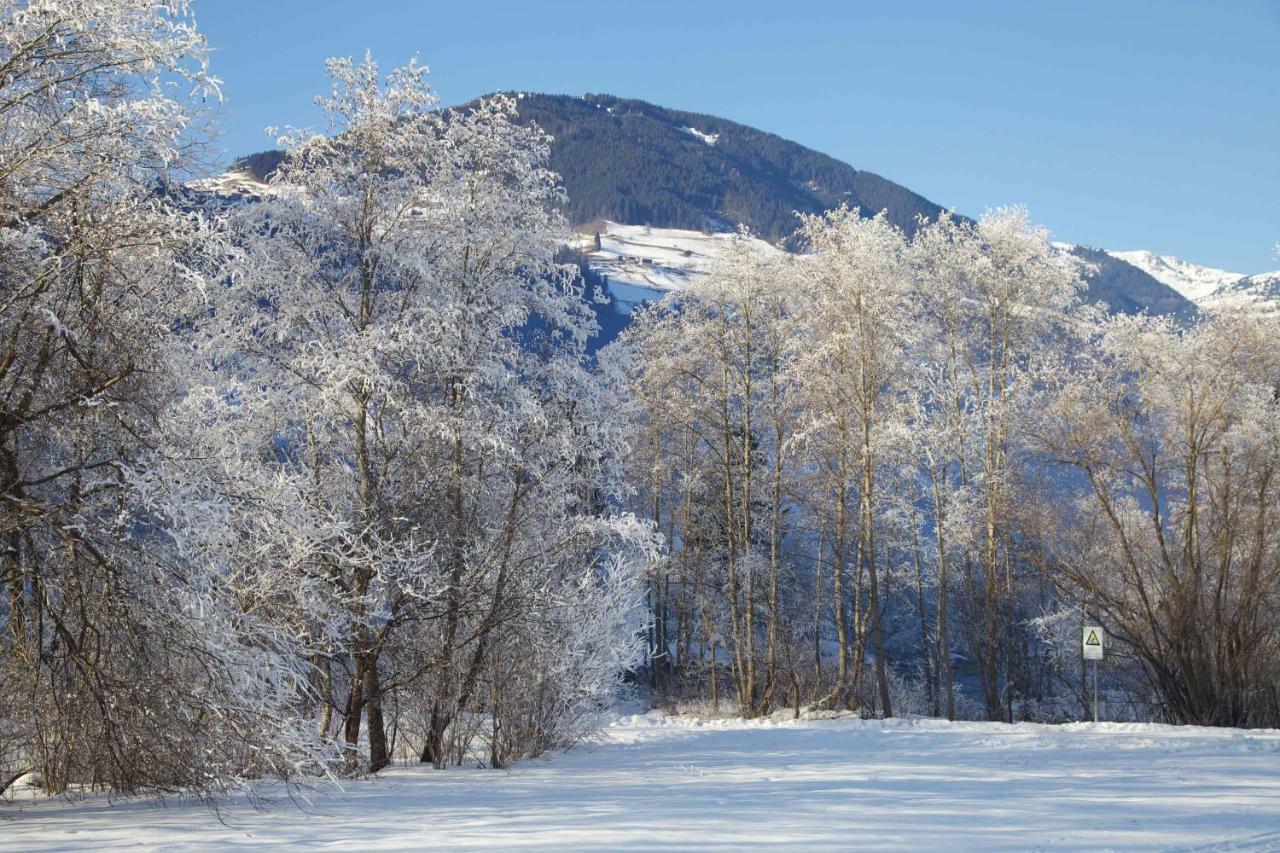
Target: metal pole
[1095, 691]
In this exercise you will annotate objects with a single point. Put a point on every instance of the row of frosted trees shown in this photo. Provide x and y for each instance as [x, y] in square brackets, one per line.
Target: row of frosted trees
[300, 484]
[898, 474]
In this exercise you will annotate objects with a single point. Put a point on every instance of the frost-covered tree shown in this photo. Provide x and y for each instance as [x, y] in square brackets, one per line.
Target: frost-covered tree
[419, 465]
[707, 369]
[1171, 538]
[859, 310]
[1003, 300]
[120, 664]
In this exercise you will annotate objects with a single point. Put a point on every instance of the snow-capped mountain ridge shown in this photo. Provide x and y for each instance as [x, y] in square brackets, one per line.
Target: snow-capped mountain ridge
[1193, 281]
[1209, 288]
[1259, 293]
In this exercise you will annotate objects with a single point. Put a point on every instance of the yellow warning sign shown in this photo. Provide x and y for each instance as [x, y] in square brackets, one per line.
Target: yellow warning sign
[1093, 638]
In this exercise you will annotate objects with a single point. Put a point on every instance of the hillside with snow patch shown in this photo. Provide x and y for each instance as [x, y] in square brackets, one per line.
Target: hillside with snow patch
[640, 263]
[238, 182]
[1259, 293]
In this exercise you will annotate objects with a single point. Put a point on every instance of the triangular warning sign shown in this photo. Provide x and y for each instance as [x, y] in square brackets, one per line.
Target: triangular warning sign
[1093, 639]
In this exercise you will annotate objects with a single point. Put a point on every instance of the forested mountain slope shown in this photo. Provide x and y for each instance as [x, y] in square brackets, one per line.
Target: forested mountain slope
[633, 162]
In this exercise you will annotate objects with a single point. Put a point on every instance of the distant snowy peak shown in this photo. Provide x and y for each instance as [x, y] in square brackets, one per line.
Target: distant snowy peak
[1211, 289]
[1193, 281]
[1259, 293]
[1266, 284]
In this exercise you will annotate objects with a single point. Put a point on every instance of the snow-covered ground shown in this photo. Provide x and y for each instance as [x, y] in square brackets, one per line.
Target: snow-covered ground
[656, 782]
[641, 263]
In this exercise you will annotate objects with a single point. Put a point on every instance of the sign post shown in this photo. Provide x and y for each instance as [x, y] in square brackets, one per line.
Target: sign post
[1093, 639]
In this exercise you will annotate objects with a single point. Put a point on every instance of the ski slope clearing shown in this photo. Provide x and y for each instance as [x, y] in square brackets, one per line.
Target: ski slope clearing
[656, 782]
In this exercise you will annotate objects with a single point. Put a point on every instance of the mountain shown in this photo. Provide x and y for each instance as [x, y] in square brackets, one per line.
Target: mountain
[1191, 280]
[1259, 293]
[634, 163]
[1130, 289]
[628, 161]
[1209, 288]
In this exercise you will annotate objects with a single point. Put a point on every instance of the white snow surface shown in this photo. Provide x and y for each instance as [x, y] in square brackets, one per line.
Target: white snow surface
[640, 263]
[1258, 293]
[656, 782]
[1193, 281]
[1209, 288]
[237, 182]
[709, 138]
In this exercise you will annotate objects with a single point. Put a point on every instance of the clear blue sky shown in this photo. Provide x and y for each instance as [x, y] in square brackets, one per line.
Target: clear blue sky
[1124, 125]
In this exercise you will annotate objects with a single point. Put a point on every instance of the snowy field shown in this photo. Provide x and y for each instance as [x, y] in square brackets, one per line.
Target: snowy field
[641, 263]
[654, 782]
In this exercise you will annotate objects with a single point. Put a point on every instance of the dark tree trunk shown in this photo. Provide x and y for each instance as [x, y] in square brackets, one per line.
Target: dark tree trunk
[433, 752]
[355, 708]
[379, 756]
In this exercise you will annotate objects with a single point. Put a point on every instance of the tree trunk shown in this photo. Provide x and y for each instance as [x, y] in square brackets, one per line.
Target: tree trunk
[943, 644]
[869, 554]
[925, 654]
[837, 583]
[379, 756]
[355, 708]
[433, 751]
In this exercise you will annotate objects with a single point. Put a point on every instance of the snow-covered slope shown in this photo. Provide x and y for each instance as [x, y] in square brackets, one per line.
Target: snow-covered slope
[1211, 289]
[1191, 280]
[235, 183]
[653, 782]
[709, 138]
[1259, 293]
[641, 263]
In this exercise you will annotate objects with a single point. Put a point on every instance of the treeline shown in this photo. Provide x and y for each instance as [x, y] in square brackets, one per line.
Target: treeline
[899, 474]
[296, 486]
